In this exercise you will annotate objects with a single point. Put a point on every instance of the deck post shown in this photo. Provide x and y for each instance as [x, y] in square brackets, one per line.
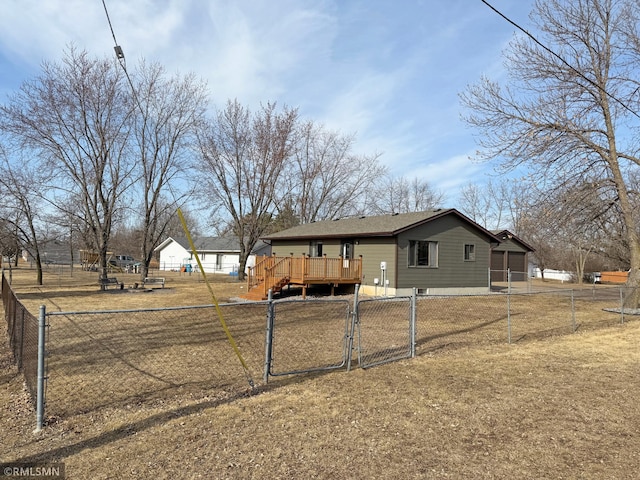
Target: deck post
[304, 267]
[291, 266]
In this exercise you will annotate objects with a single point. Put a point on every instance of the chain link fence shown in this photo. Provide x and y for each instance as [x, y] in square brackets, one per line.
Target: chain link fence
[115, 358]
[468, 320]
[22, 329]
[509, 281]
[105, 359]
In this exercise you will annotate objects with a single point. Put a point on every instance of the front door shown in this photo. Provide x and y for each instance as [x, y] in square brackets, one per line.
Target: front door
[346, 251]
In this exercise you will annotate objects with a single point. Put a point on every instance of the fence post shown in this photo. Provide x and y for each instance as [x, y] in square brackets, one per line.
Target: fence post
[508, 280]
[573, 312]
[21, 346]
[41, 372]
[269, 338]
[412, 326]
[489, 278]
[509, 317]
[352, 329]
[621, 306]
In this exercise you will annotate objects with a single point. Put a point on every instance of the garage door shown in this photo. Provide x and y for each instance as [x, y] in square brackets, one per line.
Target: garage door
[498, 270]
[515, 263]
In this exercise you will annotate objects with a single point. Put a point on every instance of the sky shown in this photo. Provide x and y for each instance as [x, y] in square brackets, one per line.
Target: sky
[389, 72]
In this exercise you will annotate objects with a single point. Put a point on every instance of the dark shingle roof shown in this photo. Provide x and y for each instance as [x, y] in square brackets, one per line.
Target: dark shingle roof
[501, 234]
[215, 244]
[375, 226]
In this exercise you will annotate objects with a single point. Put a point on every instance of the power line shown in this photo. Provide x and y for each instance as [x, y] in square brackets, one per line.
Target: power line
[121, 59]
[580, 74]
[117, 48]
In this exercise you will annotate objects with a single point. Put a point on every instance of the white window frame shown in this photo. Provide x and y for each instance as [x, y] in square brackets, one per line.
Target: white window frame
[414, 259]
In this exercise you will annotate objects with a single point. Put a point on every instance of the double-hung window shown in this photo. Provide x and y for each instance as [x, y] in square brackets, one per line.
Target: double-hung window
[469, 252]
[423, 253]
[315, 249]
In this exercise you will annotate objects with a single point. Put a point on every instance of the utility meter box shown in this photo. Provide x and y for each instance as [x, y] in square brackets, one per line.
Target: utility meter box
[383, 265]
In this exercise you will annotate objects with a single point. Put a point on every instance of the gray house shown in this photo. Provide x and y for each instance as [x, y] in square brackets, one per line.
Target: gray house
[439, 251]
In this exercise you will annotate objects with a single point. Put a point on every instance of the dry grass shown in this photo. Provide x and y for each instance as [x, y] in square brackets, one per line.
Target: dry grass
[563, 407]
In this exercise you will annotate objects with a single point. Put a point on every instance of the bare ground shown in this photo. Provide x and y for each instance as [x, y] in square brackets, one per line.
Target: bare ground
[565, 406]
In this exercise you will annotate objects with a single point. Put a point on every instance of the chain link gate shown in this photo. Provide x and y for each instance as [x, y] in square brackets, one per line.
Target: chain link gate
[308, 336]
[385, 330]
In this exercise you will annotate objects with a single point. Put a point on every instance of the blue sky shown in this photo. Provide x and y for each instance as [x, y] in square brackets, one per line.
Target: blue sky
[388, 71]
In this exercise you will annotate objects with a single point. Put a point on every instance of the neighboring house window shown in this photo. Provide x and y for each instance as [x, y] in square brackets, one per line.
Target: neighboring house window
[469, 252]
[218, 262]
[423, 254]
[315, 249]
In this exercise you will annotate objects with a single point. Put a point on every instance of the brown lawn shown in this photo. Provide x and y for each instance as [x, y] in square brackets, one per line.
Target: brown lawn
[163, 395]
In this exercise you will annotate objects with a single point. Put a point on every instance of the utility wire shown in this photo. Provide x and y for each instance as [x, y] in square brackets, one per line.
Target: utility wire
[580, 74]
[121, 59]
[117, 48]
[109, 21]
[120, 55]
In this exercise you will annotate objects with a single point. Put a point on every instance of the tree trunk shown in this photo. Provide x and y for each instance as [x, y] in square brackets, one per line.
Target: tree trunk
[243, 263]
[632, 293]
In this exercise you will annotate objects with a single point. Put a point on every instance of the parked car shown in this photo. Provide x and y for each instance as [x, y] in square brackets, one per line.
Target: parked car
[122, 261]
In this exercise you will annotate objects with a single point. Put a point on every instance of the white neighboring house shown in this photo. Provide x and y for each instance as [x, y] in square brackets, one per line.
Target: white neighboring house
[217, 254]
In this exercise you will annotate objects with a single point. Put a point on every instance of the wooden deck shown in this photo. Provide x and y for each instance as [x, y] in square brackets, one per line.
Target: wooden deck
[274, 273]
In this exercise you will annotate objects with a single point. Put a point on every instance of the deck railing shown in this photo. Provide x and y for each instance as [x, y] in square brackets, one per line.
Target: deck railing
[273, 271]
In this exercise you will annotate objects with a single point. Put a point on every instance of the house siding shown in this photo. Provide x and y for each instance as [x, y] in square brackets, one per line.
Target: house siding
[173, 256]
[452, 271]
[508, 245]
[374, 251]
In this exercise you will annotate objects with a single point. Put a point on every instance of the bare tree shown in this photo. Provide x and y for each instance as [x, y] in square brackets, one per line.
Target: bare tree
[76, 116]
[169, 111]
[24, 184]
[404, 195]
[243, 155]
[567, 116]
[327, 179]
[476, 202]
[497, 204]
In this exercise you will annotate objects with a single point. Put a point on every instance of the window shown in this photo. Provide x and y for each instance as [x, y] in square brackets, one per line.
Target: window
[423, 254]
[346, 249]
[469, 252]
[218, 262]
[315, 249]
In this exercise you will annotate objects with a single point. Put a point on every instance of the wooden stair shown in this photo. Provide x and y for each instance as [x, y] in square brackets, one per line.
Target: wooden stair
[256, 293]
[274, 273]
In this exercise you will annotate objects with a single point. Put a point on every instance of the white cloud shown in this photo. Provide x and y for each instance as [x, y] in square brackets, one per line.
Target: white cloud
[388, 72]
